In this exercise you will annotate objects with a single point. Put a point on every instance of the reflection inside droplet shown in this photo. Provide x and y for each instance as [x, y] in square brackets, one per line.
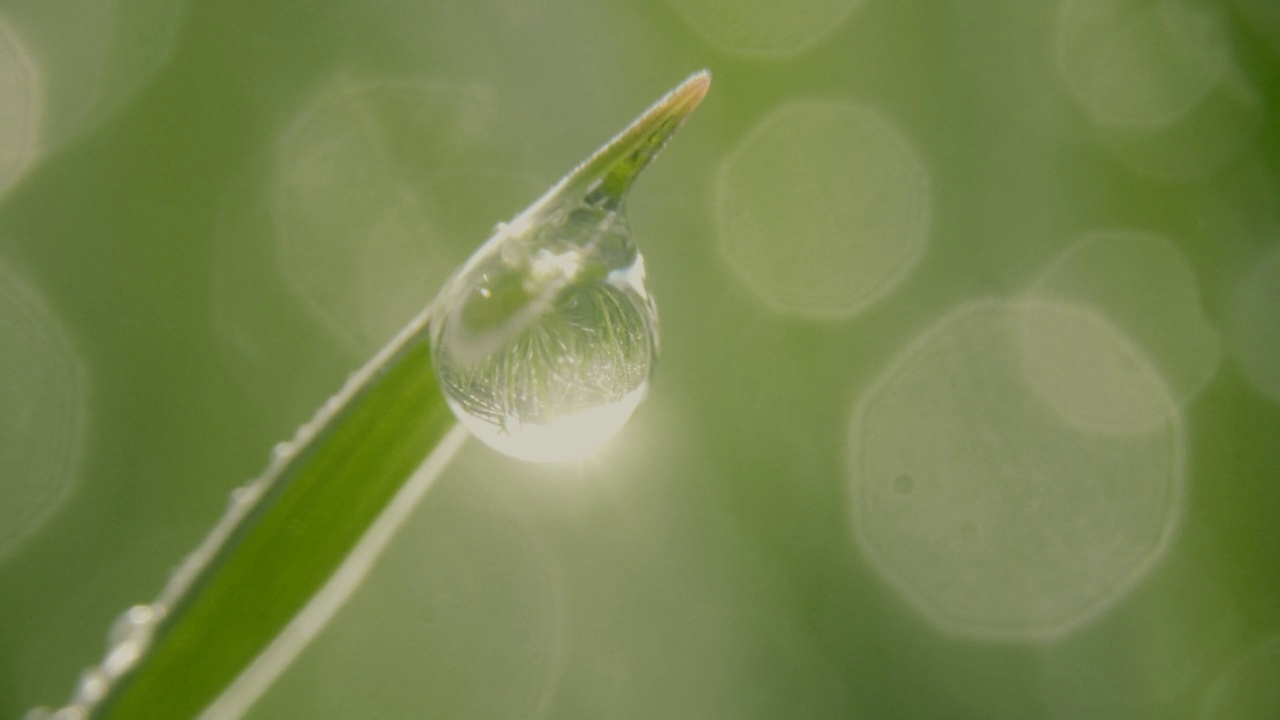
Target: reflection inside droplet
[546, 339]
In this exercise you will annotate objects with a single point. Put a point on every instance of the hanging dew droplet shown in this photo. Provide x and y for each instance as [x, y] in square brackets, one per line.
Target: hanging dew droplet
[545, 340]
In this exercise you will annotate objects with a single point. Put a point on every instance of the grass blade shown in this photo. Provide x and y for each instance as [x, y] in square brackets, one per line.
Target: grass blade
[293, 528]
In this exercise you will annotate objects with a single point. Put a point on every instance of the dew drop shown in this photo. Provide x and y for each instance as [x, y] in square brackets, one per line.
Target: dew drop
[545, 340]
[548, 338]
[281, 450]
[93, 686]
[246, 495]
[122, 657]
[129, 636]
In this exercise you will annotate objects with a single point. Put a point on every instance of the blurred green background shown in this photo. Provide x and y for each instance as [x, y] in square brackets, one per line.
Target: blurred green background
[969, 396]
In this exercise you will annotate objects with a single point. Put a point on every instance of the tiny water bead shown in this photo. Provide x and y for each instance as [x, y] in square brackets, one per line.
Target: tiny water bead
[545, 340]
[128, 639]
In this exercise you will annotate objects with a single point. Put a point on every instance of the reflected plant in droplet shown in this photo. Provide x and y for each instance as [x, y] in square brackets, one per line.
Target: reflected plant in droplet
[545, 339]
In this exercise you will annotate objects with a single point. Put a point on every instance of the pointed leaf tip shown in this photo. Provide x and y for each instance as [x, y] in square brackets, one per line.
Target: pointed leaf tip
[609, 172]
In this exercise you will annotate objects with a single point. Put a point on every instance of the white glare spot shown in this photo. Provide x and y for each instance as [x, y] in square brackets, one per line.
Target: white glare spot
[573, 436]
[548, 265]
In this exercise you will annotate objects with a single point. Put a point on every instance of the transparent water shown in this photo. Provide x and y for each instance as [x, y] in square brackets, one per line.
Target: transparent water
[545, 340]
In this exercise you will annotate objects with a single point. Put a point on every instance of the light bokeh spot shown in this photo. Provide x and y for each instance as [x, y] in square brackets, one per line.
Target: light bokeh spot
[759, 28]
[1249, 689]
[1140, 62]
[823, 208]
[1159, 81]
[370, 174]
[1147, 288]
[93, 55]
[42, 410]
[1255, 326]
[19, 106]
[990, 512]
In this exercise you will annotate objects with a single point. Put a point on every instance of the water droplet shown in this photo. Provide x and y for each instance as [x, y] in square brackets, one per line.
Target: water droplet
[548, 349]
[133, 624]
[93, 686]
[545, 340]
[121, 657]
[246, 494]
[129, 637]
[281, 450]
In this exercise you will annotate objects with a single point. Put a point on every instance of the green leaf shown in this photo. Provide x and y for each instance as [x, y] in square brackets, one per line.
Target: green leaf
[316, 502]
